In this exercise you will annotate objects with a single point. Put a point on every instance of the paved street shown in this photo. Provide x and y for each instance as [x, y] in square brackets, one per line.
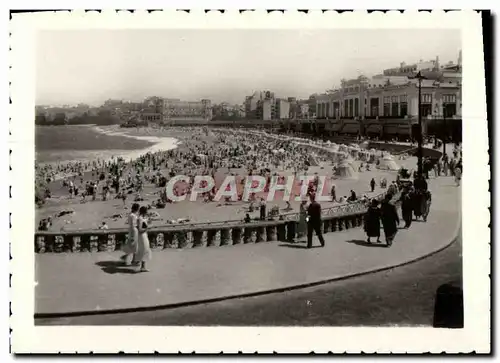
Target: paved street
[93, 282]
[400, 296]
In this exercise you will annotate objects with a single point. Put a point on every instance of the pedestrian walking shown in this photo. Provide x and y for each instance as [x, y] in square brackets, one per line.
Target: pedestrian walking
[372, 184]
[144, 253]
[407, 207]
[130, 247]
[314, 223]
[427, 204]
[390, 220]
[372, 221]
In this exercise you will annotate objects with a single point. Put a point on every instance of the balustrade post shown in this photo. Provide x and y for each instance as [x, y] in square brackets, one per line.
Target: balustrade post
[111, 245]
[217, 238]
[160, 240]
[75, 243]
[58, 244]
[93, 243]
[40, 244]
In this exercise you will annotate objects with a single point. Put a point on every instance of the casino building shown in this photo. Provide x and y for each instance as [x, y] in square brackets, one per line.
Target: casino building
[168, 110]
[386, 105]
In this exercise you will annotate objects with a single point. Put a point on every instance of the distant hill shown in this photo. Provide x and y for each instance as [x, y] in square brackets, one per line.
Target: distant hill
[101, 118]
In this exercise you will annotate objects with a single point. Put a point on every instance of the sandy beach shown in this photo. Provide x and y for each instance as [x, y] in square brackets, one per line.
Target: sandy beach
[91, 214]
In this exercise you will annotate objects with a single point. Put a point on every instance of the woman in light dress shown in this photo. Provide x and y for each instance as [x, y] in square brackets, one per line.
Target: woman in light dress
[144, 253]
[130, 247]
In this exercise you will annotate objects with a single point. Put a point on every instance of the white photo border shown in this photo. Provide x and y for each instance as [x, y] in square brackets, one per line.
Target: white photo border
[26, 338]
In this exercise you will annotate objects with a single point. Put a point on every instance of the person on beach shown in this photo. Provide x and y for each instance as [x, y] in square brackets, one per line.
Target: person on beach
[130, 247]
[144, 252]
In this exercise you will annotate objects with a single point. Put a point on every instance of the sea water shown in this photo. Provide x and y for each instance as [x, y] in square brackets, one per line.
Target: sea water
[160, 143]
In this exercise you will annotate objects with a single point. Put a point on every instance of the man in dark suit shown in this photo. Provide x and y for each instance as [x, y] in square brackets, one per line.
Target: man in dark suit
[314, 222]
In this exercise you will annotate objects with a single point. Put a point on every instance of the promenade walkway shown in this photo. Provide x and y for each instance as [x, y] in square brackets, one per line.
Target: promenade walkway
[84, 282]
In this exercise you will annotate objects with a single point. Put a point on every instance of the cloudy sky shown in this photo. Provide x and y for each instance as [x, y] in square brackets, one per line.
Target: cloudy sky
[94, 65]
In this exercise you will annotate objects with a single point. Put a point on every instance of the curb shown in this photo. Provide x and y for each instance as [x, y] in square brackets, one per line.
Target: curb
[250, 294]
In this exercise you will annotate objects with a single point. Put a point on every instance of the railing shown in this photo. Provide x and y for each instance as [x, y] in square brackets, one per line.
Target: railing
[334, 219]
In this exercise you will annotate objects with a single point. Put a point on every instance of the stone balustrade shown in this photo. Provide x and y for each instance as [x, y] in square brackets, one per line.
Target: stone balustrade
[284, 229]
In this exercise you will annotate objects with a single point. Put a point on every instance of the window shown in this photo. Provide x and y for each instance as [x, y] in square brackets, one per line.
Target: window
[403, 109]
[426, 109]
[387, 106]
[336, 109]
[449, 98]
[351, 107]
[356, 107]
[346, 108]
[449, 109]
[374, 107]
[426, 98]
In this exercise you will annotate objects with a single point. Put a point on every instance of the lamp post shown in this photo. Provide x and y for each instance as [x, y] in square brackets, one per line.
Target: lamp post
[445, 131]
[420, 151]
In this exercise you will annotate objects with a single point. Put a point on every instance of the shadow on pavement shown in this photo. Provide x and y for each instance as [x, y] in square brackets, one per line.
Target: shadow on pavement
[115, 267]
[296, 246]
[360, 242]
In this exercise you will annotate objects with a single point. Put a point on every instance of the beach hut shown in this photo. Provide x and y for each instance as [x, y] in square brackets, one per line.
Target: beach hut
[313, 160]
[364, 145]
[387, 163]
[345, 171]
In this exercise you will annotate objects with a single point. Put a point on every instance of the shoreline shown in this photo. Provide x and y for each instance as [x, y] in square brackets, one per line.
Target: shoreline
[158, 143]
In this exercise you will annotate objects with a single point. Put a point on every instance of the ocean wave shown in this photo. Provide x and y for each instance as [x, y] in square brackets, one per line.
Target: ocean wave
[160, 143]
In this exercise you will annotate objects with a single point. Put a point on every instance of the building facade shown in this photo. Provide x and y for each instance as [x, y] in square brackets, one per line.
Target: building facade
[265, 106]
[166, 110]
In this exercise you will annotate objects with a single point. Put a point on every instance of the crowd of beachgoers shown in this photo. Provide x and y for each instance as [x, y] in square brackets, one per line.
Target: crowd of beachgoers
[216, 153]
